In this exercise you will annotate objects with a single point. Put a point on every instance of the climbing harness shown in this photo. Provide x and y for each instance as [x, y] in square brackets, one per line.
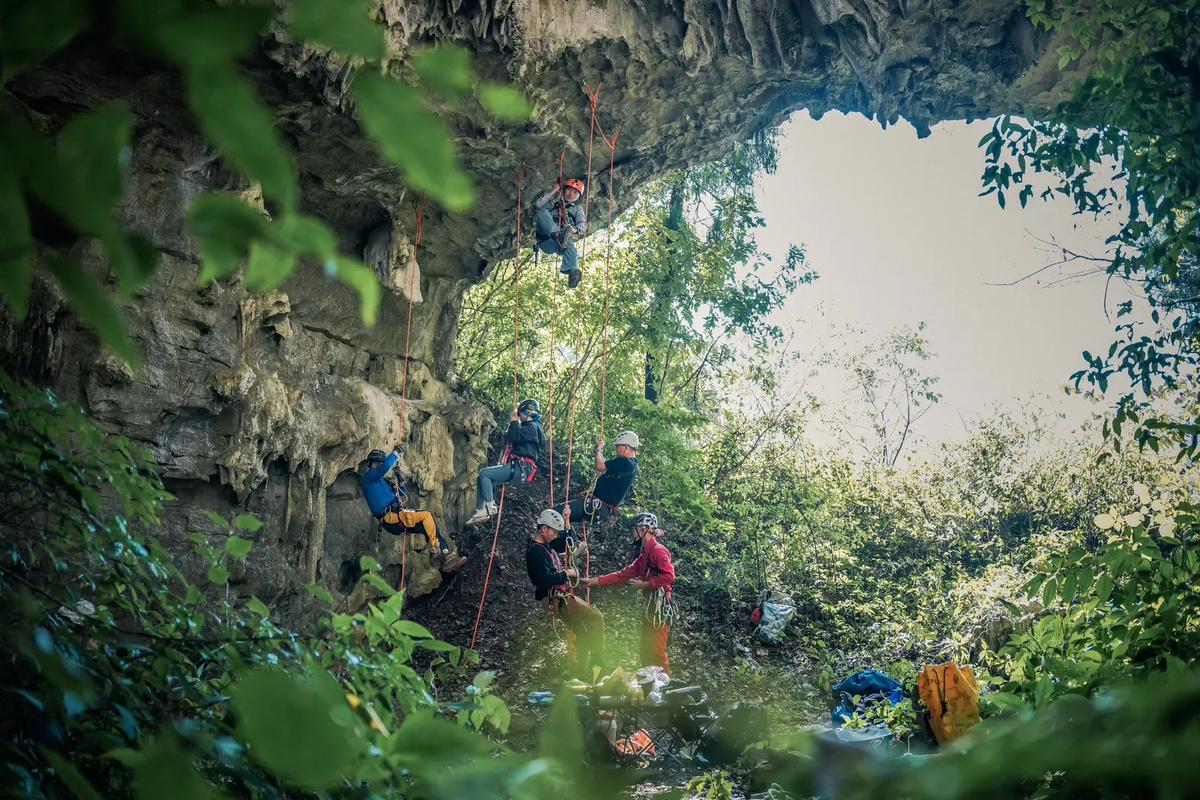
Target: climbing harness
[659, 609]
[520, 181]
[527, 475]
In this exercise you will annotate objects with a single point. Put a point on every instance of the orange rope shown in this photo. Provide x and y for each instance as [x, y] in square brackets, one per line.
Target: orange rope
[520, 180]
[612, 156]
[419, 228]
[593, 98]
[553, 334]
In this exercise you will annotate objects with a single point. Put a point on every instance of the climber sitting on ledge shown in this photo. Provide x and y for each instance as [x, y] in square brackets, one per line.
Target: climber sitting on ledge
[386, 499]
[614, 480]
[519, 463]
[559, 216]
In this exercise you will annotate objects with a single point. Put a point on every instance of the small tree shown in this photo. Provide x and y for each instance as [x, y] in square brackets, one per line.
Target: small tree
[894, 389]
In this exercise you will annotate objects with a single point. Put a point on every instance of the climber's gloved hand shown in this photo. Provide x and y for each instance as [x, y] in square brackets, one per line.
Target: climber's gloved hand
[401, 448]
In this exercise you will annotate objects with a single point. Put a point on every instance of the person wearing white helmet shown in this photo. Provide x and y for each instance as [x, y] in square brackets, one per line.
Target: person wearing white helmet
[553, 580]
[653, 573]
[615, 478]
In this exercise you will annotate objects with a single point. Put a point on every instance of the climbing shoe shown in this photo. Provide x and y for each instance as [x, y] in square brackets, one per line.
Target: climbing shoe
[482, 515]
[574, 277]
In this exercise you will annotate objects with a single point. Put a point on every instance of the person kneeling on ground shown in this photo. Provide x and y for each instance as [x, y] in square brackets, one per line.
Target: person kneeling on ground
[652, 572]
[559, 216]
[519, 464]
[386, 500]
[552, 588]
[616, 477]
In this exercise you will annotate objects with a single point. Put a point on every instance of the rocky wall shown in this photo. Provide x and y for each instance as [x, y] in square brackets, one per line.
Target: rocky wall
[267, 404]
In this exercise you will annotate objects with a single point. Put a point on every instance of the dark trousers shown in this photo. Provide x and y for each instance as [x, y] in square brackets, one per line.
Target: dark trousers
[586, 509]
[588, 626]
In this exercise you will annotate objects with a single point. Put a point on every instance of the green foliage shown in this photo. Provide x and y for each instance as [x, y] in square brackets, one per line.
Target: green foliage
[1124, 608]
[713, 785]
[900, 719]
[346, 27]
[79, 175]
[1138, 740]
[673, 312]
[409, 134]
[1127, 145]
[124, 678]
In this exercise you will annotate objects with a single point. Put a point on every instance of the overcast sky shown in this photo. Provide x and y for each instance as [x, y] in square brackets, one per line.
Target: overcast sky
[894, 226]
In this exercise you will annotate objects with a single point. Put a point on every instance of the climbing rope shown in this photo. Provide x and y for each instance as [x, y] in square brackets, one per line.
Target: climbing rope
[612, 157]
[418, 230]
[520, 181]
[593, 97]
[553, 337]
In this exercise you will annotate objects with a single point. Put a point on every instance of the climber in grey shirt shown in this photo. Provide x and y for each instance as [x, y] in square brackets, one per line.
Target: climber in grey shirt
[559, 217]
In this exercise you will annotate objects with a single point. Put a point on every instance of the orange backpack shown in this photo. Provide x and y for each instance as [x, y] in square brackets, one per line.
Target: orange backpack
[952, 697]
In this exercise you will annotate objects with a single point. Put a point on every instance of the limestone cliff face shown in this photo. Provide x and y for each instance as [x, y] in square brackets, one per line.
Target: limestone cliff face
[268, 403]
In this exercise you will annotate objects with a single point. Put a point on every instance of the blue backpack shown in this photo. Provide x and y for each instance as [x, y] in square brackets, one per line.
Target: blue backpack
[870, 686]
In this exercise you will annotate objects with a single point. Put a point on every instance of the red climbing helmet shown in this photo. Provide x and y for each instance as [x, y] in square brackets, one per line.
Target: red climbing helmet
[575, 184]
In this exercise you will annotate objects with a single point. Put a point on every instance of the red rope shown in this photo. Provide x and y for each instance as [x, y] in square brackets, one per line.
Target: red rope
[553, 335]
[520, 180]
[403, 558]
[612, 156]
[419, 228]
[593, 97]
[592, 100]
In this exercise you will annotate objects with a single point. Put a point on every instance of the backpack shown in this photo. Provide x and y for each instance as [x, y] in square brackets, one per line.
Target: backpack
[870, 686]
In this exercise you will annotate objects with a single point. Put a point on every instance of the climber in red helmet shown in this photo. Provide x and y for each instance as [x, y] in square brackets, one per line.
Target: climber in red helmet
[559, 218]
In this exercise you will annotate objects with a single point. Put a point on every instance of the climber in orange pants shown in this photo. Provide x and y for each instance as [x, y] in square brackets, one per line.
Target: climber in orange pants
[653, 572]
[386, 499]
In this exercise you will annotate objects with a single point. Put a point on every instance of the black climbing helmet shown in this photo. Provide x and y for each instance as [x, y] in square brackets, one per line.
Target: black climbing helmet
[376, 457]
[531, 404]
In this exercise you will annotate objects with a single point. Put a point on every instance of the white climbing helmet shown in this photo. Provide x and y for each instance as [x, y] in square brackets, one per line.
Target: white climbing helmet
[629, 439]
[551, 519]
[647, 518]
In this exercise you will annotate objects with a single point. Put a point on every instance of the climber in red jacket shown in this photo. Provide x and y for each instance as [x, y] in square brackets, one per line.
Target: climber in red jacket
[652, 572]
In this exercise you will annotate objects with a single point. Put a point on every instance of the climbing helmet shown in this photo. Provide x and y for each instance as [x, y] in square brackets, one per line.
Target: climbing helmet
[376, 456]
[629, 439]
[575, 184]
[551, 519]
[647, 518]
[529, 405]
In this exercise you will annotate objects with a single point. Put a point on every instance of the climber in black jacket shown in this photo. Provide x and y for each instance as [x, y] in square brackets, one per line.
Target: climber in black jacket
[547, 559]
[519, 463]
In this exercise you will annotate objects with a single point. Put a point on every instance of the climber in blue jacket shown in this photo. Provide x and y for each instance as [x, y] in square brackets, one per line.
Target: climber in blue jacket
[386, 499]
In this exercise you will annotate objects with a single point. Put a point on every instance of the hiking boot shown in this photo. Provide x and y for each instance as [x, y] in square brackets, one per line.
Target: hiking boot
[574, 277]
[453, 563]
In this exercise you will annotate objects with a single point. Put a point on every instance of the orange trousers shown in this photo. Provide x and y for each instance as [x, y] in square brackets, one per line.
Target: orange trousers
[401, 522]
[654, 646]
